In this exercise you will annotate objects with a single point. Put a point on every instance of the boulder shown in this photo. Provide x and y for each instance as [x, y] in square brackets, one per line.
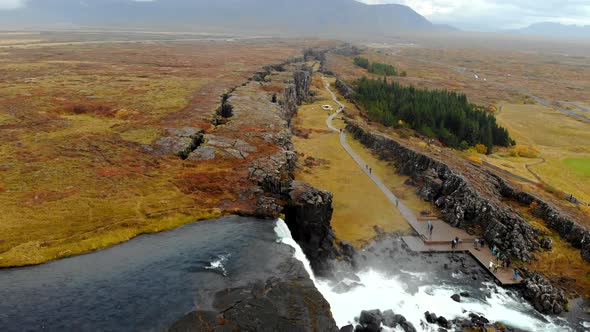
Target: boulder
[547, 243]
[407, 326]
[389, 318]
[347, 328]
[464, 294]
[371, 320]
[398, 319]
[430, 317]
[546, 298]
[456, 297]
[443, 322]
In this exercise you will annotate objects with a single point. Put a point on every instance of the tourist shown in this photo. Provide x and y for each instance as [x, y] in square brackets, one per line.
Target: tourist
[498, 255]
[508, 262]
[515, 275]
[430, 228]
[496, 266]
[453, 244]
[491, 265]
[494, 250]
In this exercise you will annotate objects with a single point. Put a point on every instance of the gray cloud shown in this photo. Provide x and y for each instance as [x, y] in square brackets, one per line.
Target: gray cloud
[498, 14]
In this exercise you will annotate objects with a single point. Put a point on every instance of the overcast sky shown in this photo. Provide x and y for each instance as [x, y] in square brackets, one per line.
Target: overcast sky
[499, 14]
[479, 14]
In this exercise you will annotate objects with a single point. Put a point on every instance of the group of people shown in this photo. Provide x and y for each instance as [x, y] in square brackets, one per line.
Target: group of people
[369, 169]
[502, 261]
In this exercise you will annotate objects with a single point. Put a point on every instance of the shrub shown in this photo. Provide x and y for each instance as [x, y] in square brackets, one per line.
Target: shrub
[525, 151]
[361, 62]
[482, 149]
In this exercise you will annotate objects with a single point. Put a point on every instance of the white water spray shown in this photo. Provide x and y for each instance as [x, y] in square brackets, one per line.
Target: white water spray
[384, 292]
[284, 236]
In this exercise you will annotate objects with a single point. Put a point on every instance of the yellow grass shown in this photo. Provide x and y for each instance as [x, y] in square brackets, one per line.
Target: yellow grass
[556, 137]
[358, 202]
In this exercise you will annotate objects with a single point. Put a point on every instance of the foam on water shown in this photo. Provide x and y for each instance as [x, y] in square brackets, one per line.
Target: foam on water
[284, 236]
[390, 292]
[219, 264]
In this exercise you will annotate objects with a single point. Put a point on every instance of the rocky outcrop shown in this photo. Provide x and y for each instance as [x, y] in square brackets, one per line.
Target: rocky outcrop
[461, 205]
[343, 88]
[178, 141]
[296, 92]
[568, 229]
[308, 213]
[544, 297]
[286, 301]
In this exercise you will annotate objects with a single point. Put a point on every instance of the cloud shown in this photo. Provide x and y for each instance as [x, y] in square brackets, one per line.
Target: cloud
[11, 4]
[498, 14]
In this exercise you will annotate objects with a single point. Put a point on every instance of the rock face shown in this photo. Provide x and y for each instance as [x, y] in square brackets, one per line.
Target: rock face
[460, 203]
[296, 92]
[291, 303]
[569, 230]
[180, 142]
[308, 213]
[544, 297]
[371, 320]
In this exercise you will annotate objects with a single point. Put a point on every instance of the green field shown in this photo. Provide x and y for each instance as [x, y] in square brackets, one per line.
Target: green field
[581, 165]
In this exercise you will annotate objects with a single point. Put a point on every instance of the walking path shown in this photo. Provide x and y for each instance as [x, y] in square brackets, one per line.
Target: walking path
[443, 233]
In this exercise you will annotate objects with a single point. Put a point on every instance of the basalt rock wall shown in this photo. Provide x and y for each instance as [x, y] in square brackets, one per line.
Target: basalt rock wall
[460, 203]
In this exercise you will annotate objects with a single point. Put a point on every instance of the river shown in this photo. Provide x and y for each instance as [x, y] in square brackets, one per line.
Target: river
[145, 284]
[153, 281]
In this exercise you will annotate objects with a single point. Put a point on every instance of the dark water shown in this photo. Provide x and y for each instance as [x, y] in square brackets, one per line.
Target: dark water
[143, 285]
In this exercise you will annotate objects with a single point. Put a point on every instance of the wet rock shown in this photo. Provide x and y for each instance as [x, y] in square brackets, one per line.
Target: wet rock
[464, 294]
[347, 328]
[456, 297]
[443, 322]
[407, 326]
[371, 320]
[389, 318]
[398, 319]
[430, 317]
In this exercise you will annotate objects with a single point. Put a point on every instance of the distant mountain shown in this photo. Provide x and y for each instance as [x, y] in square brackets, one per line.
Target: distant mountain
[272, 17]
[557, 30]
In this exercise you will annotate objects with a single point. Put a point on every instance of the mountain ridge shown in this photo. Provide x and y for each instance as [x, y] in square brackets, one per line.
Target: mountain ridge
[276, 17]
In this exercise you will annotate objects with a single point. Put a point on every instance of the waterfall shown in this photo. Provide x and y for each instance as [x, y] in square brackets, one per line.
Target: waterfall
[284, 236]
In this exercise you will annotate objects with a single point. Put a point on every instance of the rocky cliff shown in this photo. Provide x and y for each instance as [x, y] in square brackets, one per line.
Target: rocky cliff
[308, 213]
[460, 203]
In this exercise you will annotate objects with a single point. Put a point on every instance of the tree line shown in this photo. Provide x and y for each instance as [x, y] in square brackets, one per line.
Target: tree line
[441, 114]
[377, 68]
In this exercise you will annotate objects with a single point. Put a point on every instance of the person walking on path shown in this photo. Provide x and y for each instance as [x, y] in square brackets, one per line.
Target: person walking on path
[515, 275]
[496, 268]
[430, 228]
[491, 265]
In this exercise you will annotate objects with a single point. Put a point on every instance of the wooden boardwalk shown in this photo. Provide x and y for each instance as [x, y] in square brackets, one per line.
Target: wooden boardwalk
[443, 233]
[504, 276]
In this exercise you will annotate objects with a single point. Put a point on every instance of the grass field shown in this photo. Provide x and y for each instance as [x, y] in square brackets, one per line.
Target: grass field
[76, 122]
[358, 203]
[562, 141]
[582, 165]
